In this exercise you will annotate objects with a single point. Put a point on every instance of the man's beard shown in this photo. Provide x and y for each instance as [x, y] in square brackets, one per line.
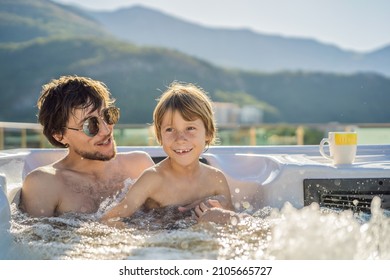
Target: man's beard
[97, 155]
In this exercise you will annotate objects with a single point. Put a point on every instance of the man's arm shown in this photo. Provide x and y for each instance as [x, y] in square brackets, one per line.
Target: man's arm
[37, 199]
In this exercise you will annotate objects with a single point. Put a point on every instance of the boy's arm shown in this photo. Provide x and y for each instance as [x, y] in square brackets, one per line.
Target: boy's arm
[224, 191]
[134, 199]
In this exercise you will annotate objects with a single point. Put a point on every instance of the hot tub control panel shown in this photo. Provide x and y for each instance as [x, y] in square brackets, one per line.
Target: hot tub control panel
[347, 193]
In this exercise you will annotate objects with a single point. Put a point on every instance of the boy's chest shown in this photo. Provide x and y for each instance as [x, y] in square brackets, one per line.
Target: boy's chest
[179, 193]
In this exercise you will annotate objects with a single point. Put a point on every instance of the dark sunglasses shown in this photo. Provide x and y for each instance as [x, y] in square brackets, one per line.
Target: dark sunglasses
[109, 115]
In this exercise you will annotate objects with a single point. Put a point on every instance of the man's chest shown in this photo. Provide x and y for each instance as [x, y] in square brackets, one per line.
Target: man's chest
[85, 196]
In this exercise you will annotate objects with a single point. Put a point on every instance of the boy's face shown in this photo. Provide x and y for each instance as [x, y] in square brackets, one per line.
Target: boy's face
[98, 147]
[182, 140]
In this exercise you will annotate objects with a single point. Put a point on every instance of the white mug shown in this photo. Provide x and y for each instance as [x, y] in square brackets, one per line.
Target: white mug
[342, 147]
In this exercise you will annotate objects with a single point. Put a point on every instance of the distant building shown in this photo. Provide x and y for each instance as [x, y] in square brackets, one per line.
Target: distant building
[227, 114]
[251, 115]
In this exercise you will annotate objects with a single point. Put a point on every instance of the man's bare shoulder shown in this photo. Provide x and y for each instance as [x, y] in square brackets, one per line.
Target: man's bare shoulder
[135, 156]
[40, 191]
[136, 162]
[41, 176]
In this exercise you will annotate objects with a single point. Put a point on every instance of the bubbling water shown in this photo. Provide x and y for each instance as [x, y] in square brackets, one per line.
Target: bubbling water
[288, 233]
[314, 233]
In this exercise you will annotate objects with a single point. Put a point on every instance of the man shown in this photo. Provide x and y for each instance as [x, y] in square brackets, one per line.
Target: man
[77, 113]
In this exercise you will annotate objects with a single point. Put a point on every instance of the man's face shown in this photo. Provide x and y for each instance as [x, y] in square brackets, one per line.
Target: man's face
[99, 147]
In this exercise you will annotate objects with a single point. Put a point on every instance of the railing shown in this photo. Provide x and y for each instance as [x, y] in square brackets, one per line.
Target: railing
[19, 131]
[29, 135]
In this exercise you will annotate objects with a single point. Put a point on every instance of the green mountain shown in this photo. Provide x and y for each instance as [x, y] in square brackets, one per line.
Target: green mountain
[22, 20]
[62, 45]
[135, 76]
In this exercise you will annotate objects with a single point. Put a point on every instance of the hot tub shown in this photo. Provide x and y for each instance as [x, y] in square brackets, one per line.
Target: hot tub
[276, 178]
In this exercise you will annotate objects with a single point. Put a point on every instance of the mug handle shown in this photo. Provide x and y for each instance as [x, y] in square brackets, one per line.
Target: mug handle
[322, 143]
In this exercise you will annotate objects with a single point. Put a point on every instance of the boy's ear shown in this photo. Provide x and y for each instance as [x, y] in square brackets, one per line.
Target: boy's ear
[208, 139]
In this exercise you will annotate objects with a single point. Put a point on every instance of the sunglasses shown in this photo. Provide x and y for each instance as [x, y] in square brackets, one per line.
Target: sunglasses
[109, 115]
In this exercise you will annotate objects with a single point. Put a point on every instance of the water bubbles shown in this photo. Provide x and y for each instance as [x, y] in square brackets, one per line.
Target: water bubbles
[364, 228]
[184, 245]
[234, 220]
[246, 204]
[376, 204]
[311, 232]
[350, 228]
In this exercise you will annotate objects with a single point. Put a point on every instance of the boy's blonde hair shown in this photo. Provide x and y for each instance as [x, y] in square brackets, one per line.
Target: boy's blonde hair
[191, 102]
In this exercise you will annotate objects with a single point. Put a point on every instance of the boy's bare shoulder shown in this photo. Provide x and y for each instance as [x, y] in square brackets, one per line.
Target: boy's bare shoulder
[213, 169]
[156, 171]
[155, 174]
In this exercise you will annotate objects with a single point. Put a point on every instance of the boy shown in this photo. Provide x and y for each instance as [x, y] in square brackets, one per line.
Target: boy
[184, 126]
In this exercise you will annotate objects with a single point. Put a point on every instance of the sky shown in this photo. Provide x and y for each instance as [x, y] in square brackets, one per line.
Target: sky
[357, 25]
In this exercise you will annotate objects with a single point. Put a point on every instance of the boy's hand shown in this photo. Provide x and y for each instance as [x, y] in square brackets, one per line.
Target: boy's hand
[214, 201]
[116, 223]
[215, 214]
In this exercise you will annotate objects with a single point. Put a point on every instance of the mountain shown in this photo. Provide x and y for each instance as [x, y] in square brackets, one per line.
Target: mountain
[22, 20]
[242, 48]
[136, 75]
[378, 60]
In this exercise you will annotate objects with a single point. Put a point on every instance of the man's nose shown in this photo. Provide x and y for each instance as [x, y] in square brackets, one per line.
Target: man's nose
[104, 127]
